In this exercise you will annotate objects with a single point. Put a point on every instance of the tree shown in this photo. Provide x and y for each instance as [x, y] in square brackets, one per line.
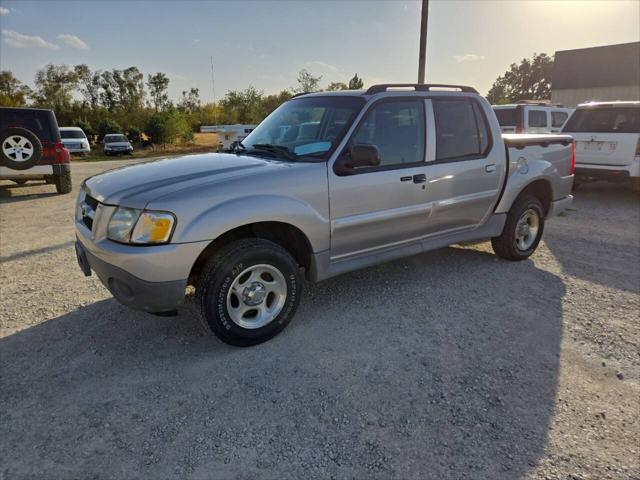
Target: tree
[190, 101]
[241, 106]
[307, 82]
[529, 80]
[54, 87]
[89, 85]
[271, 102]
[107, 126]
[158, 90]
[334, 86]
[130, 88]
[13, 93]
[356, 83]
[166, 127]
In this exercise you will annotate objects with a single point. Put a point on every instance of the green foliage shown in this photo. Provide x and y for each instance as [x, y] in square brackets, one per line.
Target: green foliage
[334, 86]
[190, 101]
[529, 80]
[356, 83]
[241, 106]
[167, 127]
[158, 85]
[307, 82]
[13, 93]
[55, 85]
[134, 134]
[107, 126]
[86, 127]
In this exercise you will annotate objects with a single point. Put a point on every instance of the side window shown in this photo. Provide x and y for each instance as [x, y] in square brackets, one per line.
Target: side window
[537, 118]
[461, 131]
[397, 128]
[558, 118]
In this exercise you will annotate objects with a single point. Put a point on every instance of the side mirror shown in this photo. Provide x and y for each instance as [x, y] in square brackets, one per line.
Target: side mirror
[360, 155]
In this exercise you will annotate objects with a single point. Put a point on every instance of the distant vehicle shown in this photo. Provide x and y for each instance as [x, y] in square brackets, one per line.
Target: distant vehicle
[117, 144]
[228, 135]
[364, 178]
[607, 136]
[531, 117]
[31, 148]
[75, 140]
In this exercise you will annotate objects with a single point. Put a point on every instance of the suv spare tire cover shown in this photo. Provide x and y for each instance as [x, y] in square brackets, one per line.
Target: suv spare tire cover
[20, 149]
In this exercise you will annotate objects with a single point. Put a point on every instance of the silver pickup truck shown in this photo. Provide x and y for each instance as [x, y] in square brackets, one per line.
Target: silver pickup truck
[328, 183]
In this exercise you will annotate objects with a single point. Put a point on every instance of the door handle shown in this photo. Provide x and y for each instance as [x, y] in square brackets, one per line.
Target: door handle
[420, 178]
[490, 168]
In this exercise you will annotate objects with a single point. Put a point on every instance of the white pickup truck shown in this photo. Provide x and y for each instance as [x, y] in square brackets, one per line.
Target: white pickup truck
[328, 183]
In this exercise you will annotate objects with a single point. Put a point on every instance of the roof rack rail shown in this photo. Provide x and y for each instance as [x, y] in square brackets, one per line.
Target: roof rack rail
[418, 87]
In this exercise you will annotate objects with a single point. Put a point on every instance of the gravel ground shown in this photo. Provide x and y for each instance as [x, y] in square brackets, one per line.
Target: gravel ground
[448, 365]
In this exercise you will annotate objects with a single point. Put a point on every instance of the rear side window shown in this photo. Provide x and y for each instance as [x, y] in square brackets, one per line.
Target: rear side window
[558, 118]
[72, 134]
[461, 130]
[537, 118]
[40, 122]
[604, 120]
[506, 116]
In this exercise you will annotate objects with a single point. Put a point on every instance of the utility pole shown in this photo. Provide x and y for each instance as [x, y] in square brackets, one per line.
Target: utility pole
[213, 91]
[423, 39]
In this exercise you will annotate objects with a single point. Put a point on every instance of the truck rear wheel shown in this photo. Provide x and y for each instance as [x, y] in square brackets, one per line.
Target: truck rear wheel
[249, 291]
[63, 182]
[522, 230]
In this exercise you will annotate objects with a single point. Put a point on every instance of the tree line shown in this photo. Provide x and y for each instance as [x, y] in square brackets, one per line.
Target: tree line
[125, 101]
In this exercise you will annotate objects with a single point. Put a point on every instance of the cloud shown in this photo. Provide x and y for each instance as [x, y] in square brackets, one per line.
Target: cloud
[4, 11]
[19, 40]
[469, 57]
[73, 41]
[321, 65]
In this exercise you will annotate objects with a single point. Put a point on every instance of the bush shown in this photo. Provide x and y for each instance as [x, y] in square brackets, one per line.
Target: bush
[86, 128]
[107, 126]
[166, 127]
[133, 134]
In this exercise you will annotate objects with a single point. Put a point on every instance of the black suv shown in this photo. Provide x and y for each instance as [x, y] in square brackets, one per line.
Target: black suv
[31, 149]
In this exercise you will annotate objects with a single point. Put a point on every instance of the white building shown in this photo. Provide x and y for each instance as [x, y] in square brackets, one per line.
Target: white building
[227, 134]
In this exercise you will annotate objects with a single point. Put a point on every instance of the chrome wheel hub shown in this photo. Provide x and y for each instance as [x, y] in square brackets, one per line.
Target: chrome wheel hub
[17, 148]
[527, 229]
[256, 296]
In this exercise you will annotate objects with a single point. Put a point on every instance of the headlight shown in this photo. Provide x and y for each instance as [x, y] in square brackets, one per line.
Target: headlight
[128, 225]
[153, 227]
[122, 222]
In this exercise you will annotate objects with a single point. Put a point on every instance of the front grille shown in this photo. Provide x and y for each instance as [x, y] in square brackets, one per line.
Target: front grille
[89, 207]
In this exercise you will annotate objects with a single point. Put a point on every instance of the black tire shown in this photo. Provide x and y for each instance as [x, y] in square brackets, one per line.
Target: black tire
[63, 182]
[218, 276]
[7, 138]
[20, 182]
[505, 245]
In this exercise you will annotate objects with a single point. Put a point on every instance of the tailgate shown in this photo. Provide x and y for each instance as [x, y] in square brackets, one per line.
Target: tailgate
[611, 149]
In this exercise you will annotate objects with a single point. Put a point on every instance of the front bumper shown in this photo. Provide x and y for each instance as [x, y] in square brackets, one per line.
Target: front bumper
[148, 278]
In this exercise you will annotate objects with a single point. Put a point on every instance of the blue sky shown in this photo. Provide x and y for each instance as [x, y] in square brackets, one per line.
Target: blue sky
[265, 43]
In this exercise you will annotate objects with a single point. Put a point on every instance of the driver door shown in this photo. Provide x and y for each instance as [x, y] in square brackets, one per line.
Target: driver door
[377, 207]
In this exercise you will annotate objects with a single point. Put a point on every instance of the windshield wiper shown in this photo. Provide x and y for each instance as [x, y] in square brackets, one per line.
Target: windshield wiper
[278, 150]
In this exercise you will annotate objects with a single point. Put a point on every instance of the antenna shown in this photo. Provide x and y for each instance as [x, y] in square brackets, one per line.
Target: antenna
[213, 91]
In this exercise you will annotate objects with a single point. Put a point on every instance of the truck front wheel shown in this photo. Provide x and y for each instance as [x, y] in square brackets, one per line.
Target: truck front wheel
[249, 291]
[522, 230]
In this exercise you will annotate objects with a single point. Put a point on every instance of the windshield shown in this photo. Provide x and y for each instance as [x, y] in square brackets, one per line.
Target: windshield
[604, 120]
[506, 116]
[115, 139]
[305, 127]
[72, 134]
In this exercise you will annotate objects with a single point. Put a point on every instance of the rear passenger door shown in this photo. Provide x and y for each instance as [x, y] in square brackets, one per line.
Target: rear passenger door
[466, 170]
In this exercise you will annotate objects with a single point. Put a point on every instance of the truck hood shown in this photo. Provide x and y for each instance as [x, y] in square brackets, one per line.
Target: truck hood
[136, 185]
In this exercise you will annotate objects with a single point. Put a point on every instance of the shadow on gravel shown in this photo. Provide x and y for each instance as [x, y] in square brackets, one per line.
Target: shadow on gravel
[12, 193]
[599, 250]
[439, 366]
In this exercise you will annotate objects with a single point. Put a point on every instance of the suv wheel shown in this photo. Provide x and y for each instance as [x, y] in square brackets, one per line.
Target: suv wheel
[20, 149]
[522, 230]
[249, 291]
[63, 182]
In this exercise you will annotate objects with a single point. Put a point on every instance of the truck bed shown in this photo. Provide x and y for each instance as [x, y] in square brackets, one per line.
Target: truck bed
[516, 140]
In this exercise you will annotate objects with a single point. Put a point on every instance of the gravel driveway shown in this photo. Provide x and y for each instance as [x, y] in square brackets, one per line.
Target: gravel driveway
[448, 365]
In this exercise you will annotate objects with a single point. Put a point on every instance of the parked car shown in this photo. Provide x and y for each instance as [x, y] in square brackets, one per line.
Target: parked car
[386, 174]
[532, 117]
[607, 136]
[31, 148]
[117, 144]
[75, 140]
